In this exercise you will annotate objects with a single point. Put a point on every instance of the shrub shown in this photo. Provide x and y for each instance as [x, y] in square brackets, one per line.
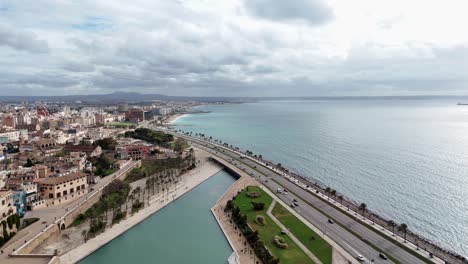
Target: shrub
[260, 220]
[258, 206]
[280, 242]
[253, 194]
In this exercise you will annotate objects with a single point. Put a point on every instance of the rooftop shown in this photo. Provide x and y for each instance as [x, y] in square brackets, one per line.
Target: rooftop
[62, 179]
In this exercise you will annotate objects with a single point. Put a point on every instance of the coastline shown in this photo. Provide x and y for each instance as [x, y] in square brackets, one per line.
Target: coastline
[173, 118]
[431, 248]
[191, 180]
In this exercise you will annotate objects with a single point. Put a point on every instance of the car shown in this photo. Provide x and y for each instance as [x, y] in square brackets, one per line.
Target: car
[292, 205]
[279, 190]
[296, 204]
[382, 256]
[294, 200]
[330, 221]
[361, 258]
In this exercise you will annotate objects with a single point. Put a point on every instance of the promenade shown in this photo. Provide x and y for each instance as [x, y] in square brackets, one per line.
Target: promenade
[349, 233]
[242, 250]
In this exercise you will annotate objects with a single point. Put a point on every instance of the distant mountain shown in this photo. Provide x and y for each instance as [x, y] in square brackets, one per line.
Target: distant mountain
[114, 98]
[134, 97]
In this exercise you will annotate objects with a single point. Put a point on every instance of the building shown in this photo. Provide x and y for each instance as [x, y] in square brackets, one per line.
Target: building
[10, 136]
[164, 111]
[69, 186]
[136, 152]
[135, 115]
[90, 150]
[7, 206]
[103, 119]
[122, 107]
[9, 121]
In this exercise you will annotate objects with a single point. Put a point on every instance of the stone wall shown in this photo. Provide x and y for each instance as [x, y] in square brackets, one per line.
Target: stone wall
[36, 241]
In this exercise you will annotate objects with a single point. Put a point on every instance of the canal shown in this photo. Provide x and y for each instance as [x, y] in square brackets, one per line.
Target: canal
[183, 232]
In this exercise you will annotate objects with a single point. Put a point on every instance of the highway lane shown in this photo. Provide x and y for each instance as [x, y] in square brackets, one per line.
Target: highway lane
[337, 233]
[309, 213]
[353, 243]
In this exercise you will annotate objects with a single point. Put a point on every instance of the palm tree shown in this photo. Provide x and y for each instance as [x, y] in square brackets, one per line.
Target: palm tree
[403, 228]
[138, 191]
[84, 235]
[333, 192]
[327, 191]
[148, 191]
[131, 197]
[392, 225]
[340, 198]
[363, 208]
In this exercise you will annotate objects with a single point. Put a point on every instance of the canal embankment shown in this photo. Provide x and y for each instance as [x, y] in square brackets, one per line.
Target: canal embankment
[190, 180]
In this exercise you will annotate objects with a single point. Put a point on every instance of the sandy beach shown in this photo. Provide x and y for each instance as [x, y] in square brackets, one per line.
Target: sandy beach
[190, 180]
[173, 118]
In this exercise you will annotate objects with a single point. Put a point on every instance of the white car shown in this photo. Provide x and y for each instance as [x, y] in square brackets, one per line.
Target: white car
[361, 258]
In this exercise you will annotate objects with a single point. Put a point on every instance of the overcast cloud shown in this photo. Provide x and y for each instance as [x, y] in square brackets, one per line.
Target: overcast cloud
[234, 47]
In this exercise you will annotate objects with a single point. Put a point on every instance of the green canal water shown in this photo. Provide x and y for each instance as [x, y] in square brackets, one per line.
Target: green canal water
[183, 232]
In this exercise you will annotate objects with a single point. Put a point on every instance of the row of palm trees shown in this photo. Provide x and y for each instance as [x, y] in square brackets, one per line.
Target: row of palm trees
[329, 192]
[363, 210]
[155, 184]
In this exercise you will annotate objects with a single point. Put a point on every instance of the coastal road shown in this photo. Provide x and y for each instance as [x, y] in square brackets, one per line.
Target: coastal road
[347, 232]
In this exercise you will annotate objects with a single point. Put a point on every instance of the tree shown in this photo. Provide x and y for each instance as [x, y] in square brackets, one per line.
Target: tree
[180, 144]
[363, 208]
[340, 198]
[327, 191]
[392, 225]
[29, 163]
[106, 143]
[403, 228]
[131, 197]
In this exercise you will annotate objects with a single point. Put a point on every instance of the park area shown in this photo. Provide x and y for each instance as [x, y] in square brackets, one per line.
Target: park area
[316, 244]
[253, 204]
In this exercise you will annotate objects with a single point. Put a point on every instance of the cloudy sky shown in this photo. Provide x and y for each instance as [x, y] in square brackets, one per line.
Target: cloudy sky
[234, 47]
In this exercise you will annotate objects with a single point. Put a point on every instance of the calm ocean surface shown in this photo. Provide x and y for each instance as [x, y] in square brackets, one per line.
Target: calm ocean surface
[407, 159]
[183, 232]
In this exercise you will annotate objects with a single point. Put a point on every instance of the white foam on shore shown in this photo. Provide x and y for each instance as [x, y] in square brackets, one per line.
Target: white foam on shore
[175, 119]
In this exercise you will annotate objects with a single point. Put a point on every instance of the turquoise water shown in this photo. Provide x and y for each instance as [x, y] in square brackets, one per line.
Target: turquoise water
[407, 159]
[182, 232]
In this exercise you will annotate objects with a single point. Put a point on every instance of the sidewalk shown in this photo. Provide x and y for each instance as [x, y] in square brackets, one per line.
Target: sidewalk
[335, 246]
[245, 253]
[291, 235]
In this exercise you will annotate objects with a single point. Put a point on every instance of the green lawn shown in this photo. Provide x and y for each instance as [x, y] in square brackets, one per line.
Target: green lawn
[318, 246]
[293, 254]
[121, 124]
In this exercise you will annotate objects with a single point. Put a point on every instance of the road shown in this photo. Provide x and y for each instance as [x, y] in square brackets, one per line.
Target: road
[350, 234]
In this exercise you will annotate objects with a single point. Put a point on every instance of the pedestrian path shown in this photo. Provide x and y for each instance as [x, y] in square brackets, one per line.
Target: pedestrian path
[294, 238]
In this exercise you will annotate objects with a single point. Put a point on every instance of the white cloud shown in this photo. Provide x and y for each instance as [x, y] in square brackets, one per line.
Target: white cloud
[234, 47]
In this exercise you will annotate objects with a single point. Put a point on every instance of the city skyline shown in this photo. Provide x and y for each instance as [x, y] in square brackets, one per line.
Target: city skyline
[233, 48]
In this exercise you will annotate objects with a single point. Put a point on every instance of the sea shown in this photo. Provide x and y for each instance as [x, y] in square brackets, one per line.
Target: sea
[407, 159]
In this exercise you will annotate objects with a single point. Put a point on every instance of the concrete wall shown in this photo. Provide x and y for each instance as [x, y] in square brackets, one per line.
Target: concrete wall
[36, 241]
